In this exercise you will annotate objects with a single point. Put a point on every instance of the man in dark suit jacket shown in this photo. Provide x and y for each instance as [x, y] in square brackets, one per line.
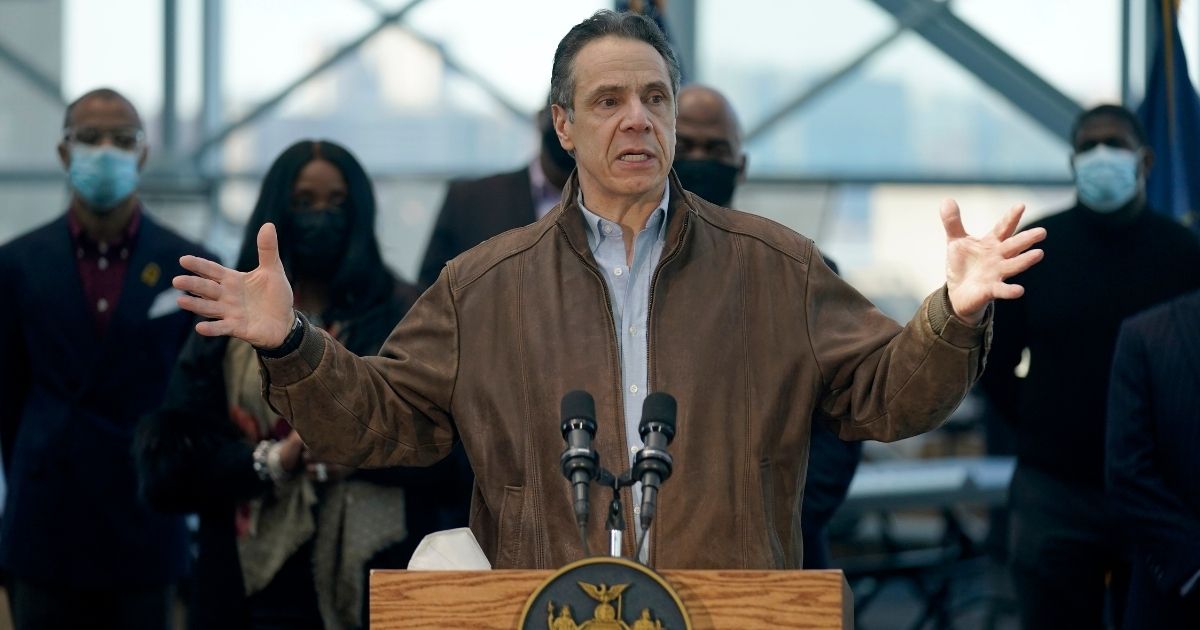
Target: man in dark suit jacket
[1153, 471]
[478, 209]
[88, 336]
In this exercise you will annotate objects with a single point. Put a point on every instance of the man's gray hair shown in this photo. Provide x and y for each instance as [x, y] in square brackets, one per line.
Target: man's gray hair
[605, 23]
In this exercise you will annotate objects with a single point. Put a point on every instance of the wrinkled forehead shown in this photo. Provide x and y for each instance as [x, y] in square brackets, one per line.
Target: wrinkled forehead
[619, 64]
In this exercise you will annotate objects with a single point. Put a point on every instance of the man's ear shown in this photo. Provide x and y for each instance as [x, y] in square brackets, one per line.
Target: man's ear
[1147, 160]
[741, 176]
[64, 155]
[142, 158]
[562, 127]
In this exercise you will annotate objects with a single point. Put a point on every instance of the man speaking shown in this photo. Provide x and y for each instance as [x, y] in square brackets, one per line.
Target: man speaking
[631, 285]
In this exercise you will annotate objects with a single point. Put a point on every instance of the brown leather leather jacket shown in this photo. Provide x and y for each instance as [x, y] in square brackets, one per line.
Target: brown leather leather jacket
[748, 329]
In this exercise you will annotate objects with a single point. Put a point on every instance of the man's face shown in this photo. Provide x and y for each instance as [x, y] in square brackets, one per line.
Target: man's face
[623, 132]
[706, 129]
[1113, 132]
[101, 121]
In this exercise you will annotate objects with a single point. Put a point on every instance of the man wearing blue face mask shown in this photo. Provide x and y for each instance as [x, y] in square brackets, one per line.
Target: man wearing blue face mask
[1106, 258]
[88, 336]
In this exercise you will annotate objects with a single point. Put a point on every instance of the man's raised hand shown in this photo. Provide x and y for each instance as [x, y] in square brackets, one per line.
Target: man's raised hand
[254, 306]
[977, 266]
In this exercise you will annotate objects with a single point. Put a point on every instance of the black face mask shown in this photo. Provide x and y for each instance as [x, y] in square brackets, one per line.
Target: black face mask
[553, 149]
[318, 239]
[714, 181]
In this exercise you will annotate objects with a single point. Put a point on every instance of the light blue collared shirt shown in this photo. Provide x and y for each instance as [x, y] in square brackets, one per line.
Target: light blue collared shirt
[629, 292]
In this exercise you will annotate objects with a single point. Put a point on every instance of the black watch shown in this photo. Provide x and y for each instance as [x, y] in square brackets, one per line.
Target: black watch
[290, 344]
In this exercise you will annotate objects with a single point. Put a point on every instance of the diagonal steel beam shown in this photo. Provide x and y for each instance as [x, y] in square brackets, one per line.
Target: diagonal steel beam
[35, 77]
[910, 19]
[1024, 88]
[267, 105]
[467, 73]
[455, 65]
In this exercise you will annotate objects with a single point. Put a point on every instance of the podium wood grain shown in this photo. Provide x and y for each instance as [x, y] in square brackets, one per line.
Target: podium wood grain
[715, 600]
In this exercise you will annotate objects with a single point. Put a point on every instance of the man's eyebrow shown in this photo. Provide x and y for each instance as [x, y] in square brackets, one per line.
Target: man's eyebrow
[601, 89]
[656, 85]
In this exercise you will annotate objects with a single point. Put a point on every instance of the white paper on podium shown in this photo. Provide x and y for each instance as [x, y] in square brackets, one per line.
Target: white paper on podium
[449, 550]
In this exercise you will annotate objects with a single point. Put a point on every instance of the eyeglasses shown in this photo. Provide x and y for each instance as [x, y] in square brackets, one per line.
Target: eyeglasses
[127, 138]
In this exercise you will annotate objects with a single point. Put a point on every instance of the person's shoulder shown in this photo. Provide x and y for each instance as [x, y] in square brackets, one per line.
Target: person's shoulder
[1171, 228]
[486, 183]
[472, 264]
[35, 239]
[164, 238]
[1156, 317]
[778, 238]
[1059, 218]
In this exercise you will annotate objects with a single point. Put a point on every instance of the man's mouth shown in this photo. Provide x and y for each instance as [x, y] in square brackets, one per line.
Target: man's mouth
[634, 157]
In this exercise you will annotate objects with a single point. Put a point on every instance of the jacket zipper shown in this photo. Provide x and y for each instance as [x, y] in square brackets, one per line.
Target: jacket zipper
[612, 327]
[653, 541]
[631, 538]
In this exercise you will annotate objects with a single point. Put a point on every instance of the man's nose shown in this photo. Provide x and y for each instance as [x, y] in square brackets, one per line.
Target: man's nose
[636, 117]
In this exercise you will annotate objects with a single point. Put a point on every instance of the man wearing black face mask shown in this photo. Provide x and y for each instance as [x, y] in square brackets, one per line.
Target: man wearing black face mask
[1107, 258]
[708, 145]
[478, 209]
[710, 163]
[88, 334]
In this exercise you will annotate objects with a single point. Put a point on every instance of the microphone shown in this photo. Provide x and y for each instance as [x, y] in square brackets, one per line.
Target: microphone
[580, 462]
[653, 463]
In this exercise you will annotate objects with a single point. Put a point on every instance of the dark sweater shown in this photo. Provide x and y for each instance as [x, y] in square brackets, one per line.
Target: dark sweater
[1098, 270]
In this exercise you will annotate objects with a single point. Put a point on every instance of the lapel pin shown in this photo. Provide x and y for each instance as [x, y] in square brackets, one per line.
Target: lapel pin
[151, 273]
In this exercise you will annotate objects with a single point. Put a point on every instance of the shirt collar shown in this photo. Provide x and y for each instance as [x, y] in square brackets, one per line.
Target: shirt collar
[127, 236]
[656, 222]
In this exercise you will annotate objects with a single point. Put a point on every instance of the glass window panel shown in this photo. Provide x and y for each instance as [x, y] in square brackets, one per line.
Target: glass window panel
[510, 44]
[267, 45]
[888, 239]
[1073, 44]
[908, 113]
[116, 44]
[1189, 32]
[763, 52]
[425, 119]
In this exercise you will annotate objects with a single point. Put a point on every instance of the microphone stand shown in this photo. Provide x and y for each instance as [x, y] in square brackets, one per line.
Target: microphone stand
[616, 519]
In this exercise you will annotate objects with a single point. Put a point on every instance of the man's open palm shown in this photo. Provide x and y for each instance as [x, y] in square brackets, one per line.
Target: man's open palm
[253, 306]
[977, 266]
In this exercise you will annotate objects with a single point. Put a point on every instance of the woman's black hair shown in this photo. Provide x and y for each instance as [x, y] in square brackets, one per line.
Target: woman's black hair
[362, 279]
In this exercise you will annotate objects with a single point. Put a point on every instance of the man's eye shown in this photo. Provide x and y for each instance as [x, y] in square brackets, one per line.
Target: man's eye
[87, 136]
[125, 140]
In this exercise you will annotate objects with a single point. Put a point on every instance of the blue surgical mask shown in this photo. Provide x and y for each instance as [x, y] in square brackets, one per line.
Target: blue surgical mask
[1106, 178]
[103, 176]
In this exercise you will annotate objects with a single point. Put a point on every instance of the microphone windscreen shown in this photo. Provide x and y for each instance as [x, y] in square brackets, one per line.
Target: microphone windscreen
[658, 407]
[578, 404]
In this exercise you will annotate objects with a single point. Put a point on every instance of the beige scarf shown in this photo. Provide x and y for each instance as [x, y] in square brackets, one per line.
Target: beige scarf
[352, 520]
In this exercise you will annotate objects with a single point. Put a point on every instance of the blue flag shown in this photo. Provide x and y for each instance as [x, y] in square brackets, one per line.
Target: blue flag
[1171, 115]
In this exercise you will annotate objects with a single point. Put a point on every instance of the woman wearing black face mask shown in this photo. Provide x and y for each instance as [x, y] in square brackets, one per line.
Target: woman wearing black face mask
[285, 541]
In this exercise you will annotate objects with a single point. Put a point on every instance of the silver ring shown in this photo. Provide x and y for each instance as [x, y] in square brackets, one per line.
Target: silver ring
[322, 472]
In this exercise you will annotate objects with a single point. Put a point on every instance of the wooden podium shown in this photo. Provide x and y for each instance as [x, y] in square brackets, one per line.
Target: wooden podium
[715, 600]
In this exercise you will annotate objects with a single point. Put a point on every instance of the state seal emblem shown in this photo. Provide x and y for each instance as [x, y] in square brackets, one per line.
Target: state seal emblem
[605, 594]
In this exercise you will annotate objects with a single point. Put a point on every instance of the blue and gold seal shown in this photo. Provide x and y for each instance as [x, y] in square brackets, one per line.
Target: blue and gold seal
[605, 594]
